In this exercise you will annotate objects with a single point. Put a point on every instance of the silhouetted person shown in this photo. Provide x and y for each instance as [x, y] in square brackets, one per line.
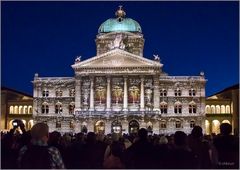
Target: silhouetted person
[200, 148]
[114, 160]
[140, 153]
[91, 155]
[181, 155]
[38, 155]
[227, 147]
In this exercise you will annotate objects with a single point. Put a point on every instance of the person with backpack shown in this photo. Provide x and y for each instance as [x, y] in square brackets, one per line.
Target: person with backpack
[37, 154]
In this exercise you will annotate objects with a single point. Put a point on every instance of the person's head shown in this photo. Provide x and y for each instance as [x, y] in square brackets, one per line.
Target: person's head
[180, 138]
[40, 131]
[197, 132]
[225, 128]
[91, 137]
[142, 133]
[163, 140]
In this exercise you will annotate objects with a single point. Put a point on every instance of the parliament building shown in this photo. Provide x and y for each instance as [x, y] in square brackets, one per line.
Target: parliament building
[119, 90]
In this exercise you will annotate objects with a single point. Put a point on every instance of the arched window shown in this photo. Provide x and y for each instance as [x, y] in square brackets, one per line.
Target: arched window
[223, 109]
[177, 92]
[226, 121]
[45, 93]
[58, 107]
[207, 109]
[192, 92]
[29, 109]
[163, 107]
[20, 110]
[16, 110]
[192, 107]
[163, 124]
[71, 108]
[213, 109]
[192, 123]
[228, 109]
[178, 124]
[178, 107]
[163, 92]
[59, 93]
[217, 109]
[24, 109]
[45, 107]
[71, 92]
[215, 126]
[11, 110]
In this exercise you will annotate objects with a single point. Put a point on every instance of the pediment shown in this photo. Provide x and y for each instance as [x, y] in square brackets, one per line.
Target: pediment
[117, 58]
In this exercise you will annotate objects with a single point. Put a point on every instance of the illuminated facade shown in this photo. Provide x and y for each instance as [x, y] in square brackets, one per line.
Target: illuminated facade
[15, 105]
[222, 107]
[119, 90]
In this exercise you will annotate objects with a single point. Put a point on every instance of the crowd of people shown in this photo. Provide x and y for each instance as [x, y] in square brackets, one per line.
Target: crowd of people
[39, 149]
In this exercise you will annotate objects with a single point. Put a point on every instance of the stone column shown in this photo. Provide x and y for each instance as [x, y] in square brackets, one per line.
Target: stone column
[125, 97]
[156, 97]
[78, 94]
[108, 95]
[91, 95]
[142, 108]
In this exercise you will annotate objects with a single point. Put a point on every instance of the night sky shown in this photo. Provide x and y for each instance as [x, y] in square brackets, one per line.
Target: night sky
[46, 37]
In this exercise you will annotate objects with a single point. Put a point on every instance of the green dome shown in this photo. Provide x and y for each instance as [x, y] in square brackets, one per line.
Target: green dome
[116, 25]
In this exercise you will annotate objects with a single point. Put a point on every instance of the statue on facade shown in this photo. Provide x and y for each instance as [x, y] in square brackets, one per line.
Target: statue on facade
[78, 59]
[156, 57]
[118, 42]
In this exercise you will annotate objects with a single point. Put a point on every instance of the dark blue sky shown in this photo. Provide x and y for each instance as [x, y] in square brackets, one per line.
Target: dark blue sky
[190, 37]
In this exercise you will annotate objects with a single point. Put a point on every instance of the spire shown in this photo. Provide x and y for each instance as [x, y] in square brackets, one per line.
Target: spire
[120, 13]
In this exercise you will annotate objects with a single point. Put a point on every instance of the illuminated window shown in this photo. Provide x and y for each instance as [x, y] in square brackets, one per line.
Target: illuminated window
[177, 92]
[11, 110]
[207, 109]
[192, 108]
[228, 109]
[223, 109]
[192, 123]
[163, 107]
[45, 93]
[25, 109]
[163, 92]
[178, 124]
[20, 110]
[178, 107]
[217, 109]
[45, 107]
[163, 125]
[15, 109]
[58, 108]
[192, 92]
[72, 92]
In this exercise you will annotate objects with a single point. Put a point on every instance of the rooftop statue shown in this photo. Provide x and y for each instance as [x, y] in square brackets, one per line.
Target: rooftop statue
[78, 59]
[156, 57]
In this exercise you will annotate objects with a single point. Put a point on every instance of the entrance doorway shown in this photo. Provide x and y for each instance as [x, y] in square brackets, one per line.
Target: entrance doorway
[116, 127]
[133, 126]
